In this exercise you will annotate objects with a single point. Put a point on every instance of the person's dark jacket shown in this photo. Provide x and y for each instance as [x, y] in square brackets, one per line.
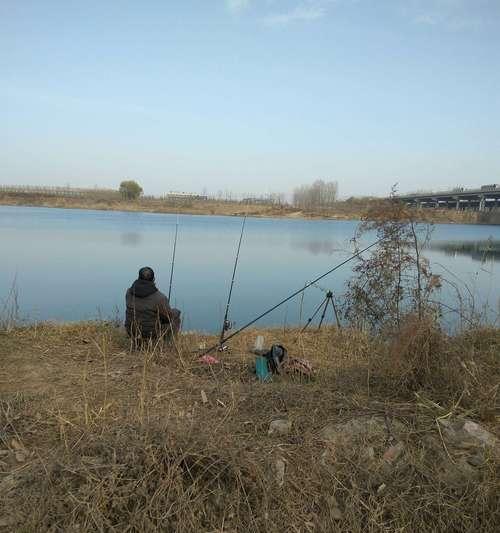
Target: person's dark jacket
[148, 309]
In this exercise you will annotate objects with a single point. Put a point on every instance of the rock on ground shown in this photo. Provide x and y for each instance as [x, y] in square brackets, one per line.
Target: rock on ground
[279, 427]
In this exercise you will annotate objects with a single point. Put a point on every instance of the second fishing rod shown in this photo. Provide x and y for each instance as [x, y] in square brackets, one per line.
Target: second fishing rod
[226, 324]
[173, 258]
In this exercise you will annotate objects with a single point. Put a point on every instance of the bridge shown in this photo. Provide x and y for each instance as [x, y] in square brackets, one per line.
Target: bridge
[484, 198]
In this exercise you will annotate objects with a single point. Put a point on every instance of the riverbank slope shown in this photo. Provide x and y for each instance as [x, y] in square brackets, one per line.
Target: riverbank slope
[353, 209]
[383, 437]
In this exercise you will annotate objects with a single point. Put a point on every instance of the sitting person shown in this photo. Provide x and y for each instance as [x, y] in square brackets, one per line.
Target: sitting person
[149, 315]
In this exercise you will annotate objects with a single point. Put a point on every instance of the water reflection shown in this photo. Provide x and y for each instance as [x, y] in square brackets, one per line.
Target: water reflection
[320, 247]
[131, 239]
[482, 251]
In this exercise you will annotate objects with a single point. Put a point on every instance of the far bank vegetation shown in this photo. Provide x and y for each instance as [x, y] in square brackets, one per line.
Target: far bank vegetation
[316, 200]
[319, 195]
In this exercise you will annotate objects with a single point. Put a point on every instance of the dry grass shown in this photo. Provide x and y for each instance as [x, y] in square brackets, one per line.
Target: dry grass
[95, 437]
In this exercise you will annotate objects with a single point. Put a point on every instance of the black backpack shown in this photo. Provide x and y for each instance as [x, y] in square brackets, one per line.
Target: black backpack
[275, 356]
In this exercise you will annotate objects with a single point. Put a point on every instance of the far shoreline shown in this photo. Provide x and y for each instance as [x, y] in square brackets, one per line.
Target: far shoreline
[346, 211]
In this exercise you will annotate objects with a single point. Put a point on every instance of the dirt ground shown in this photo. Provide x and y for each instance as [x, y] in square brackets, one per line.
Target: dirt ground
[97, 437]
[78, 366]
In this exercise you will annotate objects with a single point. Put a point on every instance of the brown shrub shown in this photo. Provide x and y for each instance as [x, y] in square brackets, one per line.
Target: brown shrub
[458, 370]
[417, 353]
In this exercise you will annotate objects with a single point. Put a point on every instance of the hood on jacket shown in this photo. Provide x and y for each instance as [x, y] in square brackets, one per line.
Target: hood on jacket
[142, 288]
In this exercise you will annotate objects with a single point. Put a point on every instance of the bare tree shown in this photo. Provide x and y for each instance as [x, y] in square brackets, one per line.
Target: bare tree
[319, 194]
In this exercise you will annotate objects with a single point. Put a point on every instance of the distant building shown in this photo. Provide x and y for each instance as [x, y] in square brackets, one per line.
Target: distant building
[175, 195]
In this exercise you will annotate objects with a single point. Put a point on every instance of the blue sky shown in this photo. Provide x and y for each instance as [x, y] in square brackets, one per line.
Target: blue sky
[250, 95]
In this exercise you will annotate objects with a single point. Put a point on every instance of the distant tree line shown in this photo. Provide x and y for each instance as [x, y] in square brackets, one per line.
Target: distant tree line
[321, 194]
[274, 198]
[58, 192]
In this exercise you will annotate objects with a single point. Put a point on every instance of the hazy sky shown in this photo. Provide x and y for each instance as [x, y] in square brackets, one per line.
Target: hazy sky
[250, 95]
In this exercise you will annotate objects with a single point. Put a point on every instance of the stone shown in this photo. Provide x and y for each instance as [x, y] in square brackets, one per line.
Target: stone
[457, 473]
[279, 467]
[364, 426]
[335, 511]
[464, 434]
[364, 436]
[476, 460]
[369, 453]
[479, 433]
[327, 454]
[204, 398]
[393, 453]
[20, 457]
[16, 444]
[279, 427]
[453, 465]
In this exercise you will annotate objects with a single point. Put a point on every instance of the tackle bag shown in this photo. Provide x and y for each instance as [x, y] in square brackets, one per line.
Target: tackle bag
[275, 358]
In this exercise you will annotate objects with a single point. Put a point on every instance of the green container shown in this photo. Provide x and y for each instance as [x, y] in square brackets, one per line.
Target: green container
[261, 369]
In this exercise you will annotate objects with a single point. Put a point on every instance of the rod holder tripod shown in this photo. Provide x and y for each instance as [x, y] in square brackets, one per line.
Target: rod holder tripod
[323, 307]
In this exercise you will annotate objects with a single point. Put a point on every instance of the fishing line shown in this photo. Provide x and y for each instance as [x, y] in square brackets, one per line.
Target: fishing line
[306, 286]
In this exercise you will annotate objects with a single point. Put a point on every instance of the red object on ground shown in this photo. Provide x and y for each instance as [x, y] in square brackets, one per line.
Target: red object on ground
[208, 360]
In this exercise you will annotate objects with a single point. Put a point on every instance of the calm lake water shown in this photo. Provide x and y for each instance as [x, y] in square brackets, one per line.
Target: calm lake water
[73, 265]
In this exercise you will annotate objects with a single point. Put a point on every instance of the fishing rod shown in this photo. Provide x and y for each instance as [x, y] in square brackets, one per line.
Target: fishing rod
[302, 289]
[226, 324]
[173, 258]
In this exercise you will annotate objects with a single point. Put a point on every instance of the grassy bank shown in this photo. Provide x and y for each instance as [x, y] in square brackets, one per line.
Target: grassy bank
[96, 437]
[354, 209]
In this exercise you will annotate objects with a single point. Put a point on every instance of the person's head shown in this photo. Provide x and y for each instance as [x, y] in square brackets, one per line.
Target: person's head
[146, 274]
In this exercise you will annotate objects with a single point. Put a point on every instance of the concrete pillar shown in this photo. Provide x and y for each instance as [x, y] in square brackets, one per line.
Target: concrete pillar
[457, 202]
[481, 203]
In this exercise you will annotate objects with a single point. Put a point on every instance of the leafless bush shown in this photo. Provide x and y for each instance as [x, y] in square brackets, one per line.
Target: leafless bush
[395, 280]
[417, 354]
[456, 371]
